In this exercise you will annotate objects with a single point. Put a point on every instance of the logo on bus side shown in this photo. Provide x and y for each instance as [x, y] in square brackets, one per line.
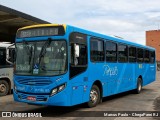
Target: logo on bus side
[110, 70]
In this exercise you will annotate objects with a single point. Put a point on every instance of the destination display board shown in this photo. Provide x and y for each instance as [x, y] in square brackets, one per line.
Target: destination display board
[41, 31]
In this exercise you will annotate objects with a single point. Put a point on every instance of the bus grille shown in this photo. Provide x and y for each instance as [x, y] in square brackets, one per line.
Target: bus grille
[38, 97]
[34, 81]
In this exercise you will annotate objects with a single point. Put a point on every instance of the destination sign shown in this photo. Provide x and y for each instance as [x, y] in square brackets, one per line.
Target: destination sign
[41, 31]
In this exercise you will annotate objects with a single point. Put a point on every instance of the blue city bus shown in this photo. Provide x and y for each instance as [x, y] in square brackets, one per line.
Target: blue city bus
[62, 65]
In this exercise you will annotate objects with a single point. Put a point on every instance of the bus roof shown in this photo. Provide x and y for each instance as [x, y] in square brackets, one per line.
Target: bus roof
[42, 25]
[90, 33]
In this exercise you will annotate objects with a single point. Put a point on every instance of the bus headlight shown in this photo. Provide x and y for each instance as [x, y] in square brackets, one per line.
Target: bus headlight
[58, 89]
[54, 91]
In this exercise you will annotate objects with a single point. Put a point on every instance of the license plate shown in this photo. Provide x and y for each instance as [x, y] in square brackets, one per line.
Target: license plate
[31, 98]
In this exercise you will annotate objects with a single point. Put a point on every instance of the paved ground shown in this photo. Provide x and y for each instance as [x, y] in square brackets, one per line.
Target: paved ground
[148, 100]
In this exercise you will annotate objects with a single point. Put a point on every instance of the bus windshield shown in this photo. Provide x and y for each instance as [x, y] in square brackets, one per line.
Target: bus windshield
[41, 58]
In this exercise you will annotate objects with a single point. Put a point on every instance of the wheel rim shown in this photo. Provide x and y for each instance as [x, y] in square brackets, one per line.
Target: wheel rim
[2, 88]
[93, 96]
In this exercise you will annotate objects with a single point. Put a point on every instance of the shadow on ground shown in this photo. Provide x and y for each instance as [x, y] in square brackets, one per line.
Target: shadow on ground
[78, 110]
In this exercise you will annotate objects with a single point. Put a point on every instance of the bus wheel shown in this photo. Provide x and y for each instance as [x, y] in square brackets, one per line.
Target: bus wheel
[94, 96]
[139, 86]
[4, 88]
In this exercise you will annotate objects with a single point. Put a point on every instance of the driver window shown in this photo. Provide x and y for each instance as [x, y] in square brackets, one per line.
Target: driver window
[78, 54]
[82, 58]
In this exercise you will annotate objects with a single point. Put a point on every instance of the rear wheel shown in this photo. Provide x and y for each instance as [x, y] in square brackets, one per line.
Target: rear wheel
[4, 88]
[139, 86]
[94, 96]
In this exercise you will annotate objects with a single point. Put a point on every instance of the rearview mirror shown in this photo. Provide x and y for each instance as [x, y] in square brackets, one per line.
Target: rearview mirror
[10, 54]
[76, 48]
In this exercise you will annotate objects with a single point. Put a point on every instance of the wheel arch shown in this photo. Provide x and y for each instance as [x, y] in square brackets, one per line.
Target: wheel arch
[99, 85]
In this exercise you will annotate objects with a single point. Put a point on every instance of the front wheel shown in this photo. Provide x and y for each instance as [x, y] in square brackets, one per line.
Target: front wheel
[94, 96]
[4, 88]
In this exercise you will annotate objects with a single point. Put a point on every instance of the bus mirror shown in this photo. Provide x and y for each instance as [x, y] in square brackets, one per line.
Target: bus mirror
[9, 55]
[76, 48]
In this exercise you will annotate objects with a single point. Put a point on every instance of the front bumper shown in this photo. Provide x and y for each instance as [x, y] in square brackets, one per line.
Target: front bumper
[59, 99]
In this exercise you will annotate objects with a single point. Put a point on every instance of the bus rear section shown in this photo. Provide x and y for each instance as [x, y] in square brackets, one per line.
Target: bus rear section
[120, 66]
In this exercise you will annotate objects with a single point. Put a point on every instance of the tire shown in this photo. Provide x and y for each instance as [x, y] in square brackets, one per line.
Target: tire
[4, 88]
[94, 97]
[139, 86]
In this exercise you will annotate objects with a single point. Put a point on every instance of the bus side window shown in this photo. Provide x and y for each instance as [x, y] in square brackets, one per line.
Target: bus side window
[2, 56]
[140, 55]
[132, 54]
[111, 51]
[146, 56]
[12, 55]
[97, 50]
[122, 53]
[82, 58]
[152, 56]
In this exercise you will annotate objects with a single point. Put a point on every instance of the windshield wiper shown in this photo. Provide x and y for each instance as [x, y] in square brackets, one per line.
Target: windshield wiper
[43, 50]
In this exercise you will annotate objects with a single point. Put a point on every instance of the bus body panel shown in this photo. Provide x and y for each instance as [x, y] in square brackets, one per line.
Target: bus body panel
[120, 77]
[113, 77]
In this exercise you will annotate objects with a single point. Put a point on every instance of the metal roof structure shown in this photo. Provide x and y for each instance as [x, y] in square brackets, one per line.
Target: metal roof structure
[11, 20]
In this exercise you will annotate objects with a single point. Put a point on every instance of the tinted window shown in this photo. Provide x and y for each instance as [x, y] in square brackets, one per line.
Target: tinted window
[152, 57]
[82, 58]
[122, 53]
[97, 50]
[2, 56]
[146, 56]
[12, 55]
[139, 55]
[111, 51]
[132, 54]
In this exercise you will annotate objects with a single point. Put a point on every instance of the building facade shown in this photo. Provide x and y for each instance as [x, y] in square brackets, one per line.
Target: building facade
[153, 40]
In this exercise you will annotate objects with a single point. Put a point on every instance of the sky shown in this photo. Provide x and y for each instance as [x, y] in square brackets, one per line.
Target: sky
[128, 19]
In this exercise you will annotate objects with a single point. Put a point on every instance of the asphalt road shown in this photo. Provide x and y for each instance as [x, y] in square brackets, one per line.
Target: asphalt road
[147, 100]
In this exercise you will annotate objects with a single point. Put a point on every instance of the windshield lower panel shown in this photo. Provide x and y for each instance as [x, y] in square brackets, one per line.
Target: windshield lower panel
[43, 58]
